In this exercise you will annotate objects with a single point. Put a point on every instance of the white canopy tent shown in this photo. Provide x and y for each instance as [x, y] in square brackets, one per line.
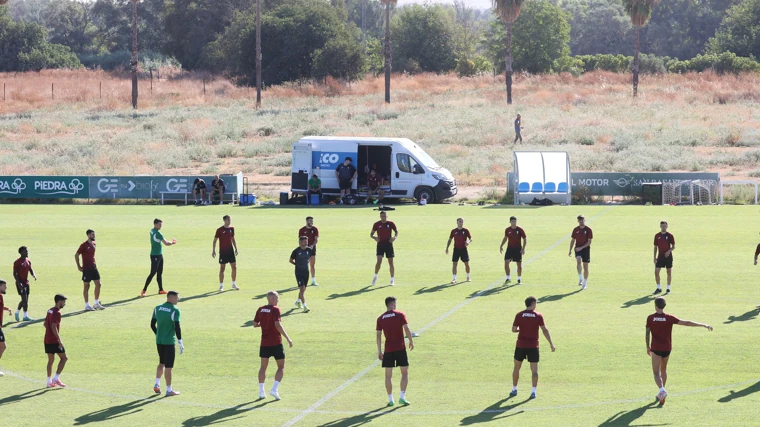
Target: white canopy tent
[542, 175]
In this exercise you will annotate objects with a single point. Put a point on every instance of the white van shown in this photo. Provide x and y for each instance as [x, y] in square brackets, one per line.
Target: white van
[408, 171]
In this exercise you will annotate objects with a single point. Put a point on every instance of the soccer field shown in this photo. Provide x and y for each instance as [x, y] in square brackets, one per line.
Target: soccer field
[460, 368]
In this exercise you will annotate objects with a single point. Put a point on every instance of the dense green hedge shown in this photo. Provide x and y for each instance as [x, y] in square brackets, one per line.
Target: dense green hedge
[723, 63]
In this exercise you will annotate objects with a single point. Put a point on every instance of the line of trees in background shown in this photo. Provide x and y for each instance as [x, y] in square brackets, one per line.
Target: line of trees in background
[305, 39]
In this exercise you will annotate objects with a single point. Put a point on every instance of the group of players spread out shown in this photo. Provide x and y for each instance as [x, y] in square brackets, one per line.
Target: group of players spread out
[392, 324]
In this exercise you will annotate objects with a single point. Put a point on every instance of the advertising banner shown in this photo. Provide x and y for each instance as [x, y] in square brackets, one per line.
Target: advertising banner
[44, 187]
[625, 183]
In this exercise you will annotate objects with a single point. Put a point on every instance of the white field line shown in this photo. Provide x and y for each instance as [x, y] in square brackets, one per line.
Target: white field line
[458, 307]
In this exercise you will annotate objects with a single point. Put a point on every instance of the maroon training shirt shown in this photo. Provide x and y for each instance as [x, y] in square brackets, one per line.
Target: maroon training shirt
[514, 235]
[582, 235]
[311, 233]
[757, 251]
[661, 326]
[87, 250]
[529, 321]
[53, 317]
[225, 236]
[460, 237]
[22, 269]
[392, 324]
[2, 310]
[266, 316]
[663, 243]
[383, 230]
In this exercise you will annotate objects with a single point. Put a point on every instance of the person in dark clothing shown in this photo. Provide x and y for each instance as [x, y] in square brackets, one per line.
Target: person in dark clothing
[346, 174]
[518, 127]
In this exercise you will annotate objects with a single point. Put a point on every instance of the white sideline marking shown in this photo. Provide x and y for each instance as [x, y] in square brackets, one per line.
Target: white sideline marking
[356, 377]
[404, 413]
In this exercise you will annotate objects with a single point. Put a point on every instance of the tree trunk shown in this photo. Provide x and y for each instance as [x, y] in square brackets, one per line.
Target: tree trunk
[258, 53]
[508, 62]
[134, 54]
[388, 53]
[636, 64]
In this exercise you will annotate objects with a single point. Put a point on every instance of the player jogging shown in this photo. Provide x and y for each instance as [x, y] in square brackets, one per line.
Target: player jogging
[526, 325]
[3, 309]
[757, 252]
[165, 324]
[581, 239]
[462, 239]
[664, 245]
[393, 325]
[157, 257]
[301, 257]
[660, 327]
[53, 342]
[518, 241]
[227, 251]
[89, 271]
[384, 241]
[268, 319]
[21, 269]
[312, 233]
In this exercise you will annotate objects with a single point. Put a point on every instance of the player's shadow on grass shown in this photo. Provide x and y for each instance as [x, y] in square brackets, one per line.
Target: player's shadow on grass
[225, 415]
[368, 288]
[122, 302]
[492, 291]
[557, 297]
[26, 395]
[77, 313]
[494, 412]
[282, 291]
[628, 418]
[113, 412]
[754, 388]
[443, 287]
[750, 315]
[360, 419]
[206, 295]
[638, 301]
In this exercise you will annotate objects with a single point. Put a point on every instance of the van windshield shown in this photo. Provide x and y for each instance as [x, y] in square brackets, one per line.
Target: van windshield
[423, 158]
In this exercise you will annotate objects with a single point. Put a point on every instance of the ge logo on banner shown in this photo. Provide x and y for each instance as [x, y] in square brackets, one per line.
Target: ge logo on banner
[175, 185]
[329, 158]
[106, 185]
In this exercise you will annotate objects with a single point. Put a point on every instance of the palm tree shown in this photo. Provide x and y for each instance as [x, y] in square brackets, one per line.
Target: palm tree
[388, 53]
[640, 11]
[509, 10]
[134, 53]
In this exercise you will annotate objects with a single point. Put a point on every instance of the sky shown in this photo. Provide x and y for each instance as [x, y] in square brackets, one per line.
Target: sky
[476, 4]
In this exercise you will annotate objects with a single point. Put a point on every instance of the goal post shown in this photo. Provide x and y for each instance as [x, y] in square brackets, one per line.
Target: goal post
[690, 192]
[739, 192]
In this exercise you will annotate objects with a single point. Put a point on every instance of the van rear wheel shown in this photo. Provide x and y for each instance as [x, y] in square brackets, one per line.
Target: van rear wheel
[424, 193]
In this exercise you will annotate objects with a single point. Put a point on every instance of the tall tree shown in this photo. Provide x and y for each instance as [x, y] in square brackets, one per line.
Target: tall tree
[134, 54]
[640, 11]
[258, 53]
[388, 50]
[509, 10]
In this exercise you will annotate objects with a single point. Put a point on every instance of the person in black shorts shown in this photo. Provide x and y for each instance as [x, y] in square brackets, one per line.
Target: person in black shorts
[384, 229]
[527, 324]
[3, 309]
[199, 189]
[393, 324]
[89, 270]
[301, 258]
[268, 318]
[54, 343]
[346, 174]
[580, 242]
[518, 241]
[664, 245]
[227, 251]
[462, 239]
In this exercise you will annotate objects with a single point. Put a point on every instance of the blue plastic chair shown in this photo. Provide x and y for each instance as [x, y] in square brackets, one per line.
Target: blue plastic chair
[524, 187]
[549, 187]
[536, 188]
[562, 187]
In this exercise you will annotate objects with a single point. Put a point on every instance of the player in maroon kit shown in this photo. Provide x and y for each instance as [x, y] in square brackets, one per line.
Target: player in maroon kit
[393, 325]
[3, 309]
[227, 251]
[89, 271]
[312, 233]
[664, 245]
[757, 252]
[581, 239]
[660, 327]
[383, 228]
[462, 240]
[515, 248]
[21, 269]
[268, 319]
[526, 325]
[53, 342]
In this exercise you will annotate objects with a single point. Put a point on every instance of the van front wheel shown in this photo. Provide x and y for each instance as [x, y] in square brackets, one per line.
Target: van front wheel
[424, 193]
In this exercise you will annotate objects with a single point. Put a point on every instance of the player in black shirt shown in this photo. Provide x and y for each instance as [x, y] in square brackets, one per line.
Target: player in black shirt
[300, 257]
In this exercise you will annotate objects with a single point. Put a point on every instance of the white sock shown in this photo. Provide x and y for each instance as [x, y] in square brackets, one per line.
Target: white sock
[313, 280]
[668, 287]
[658, 286]
[298, 301]
[97, 302]
[507, 276]
[533, 390]
[454, 277]
[375, 276]
[57, 377]
[275, 386]
[390, 397]
[580, 276]
[169, 389]
[86, 304]
[519, 278]
[26, 314]
[391, 278]
[585, 281]
[158, 382]
[662, 389]
[221, 285]
[514, 388]
[49, 380]
[233, 283]
[468, 275]
[261, 388]
[304, 305]
[403, 395]
[18, 312]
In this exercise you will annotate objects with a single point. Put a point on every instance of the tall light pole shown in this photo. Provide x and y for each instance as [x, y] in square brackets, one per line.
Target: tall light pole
[258, 53]
[134, 54]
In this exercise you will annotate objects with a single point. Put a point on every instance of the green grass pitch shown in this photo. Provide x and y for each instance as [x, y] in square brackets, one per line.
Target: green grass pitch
[460, 371]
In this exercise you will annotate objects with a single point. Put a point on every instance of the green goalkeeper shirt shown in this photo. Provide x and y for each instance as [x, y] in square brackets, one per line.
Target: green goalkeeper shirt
[156, 240]
[166, 314]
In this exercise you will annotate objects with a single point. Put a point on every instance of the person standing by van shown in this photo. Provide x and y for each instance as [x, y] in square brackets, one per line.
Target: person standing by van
[346, 174]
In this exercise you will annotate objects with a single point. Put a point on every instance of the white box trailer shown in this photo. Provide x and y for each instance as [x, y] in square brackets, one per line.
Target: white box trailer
[408, 171]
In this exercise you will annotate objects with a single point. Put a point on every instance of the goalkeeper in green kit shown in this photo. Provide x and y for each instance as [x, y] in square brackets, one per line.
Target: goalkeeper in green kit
[165, 324]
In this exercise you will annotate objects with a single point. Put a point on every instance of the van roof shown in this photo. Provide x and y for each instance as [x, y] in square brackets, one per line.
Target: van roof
[403, 141]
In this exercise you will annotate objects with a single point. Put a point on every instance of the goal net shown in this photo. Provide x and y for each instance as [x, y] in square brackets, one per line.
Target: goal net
[690, 192]
[738, 192]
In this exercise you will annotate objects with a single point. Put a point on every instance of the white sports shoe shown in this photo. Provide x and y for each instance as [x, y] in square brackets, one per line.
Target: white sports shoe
[374, 280]
[88, 308]
[99, 306]
[392, 281]
[275, 394]
[262, 395]
[2, 374]
[314, 283]
[298, 303]
[583, 287]
[235, 287]
[221, 288]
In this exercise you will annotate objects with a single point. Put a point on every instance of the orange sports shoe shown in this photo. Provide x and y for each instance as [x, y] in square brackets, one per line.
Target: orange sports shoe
[59, 383]
[162, 292]
[142, 293]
